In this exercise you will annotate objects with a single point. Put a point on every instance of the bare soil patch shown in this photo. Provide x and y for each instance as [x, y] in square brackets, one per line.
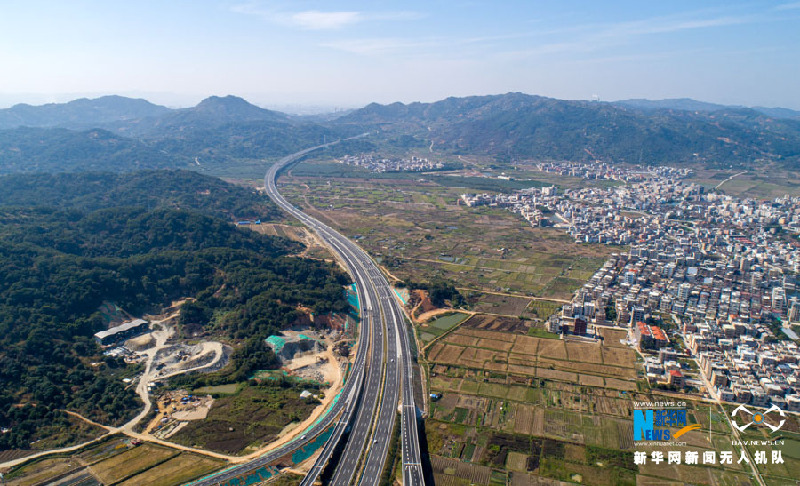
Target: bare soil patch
[496, 323]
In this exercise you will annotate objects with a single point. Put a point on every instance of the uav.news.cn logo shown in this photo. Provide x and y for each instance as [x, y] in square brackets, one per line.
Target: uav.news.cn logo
[756, 418]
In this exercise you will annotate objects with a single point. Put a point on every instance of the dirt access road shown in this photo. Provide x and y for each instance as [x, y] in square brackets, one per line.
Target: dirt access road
[161, 337]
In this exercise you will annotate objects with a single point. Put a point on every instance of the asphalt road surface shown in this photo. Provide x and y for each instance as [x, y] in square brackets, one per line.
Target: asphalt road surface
[371, 433]
[383, 364]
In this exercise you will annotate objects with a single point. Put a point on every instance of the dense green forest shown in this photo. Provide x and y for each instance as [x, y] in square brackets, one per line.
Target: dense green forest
[63, 257]
[213, 150]
[439, 290]
[178, 189]
[516, 125]
[59, 150]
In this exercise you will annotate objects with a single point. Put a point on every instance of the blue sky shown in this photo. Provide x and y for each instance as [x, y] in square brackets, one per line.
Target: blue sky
[349, 53]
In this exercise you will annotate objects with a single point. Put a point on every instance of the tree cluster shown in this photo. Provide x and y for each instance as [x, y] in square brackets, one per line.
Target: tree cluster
[61, 265]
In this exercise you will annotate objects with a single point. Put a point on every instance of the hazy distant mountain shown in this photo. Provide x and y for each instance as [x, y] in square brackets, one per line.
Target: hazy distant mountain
[136, 117]
[689, 104]
[210, 113]
[221, 132]
[80, 114]
[215, 136]
[232, 108]
[520, 125]
[779, 112]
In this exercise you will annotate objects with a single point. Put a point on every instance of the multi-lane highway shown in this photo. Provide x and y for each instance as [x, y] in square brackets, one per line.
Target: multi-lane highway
[384, 420]
[358, 438]
[367, 406]
[397, 361]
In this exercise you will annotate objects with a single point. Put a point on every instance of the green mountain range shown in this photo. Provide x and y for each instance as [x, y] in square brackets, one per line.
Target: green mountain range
[121, 134]
[517, 125]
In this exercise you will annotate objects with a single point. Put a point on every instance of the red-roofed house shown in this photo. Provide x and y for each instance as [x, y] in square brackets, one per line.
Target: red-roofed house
[676, 378]
[643, 335]
[659, 336]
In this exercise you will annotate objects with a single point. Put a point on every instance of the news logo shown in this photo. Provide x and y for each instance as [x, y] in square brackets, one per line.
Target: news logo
[654, 425]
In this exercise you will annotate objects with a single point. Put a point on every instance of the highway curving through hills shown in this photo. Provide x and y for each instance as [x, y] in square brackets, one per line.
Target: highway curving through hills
[368, 442]
[364, 415]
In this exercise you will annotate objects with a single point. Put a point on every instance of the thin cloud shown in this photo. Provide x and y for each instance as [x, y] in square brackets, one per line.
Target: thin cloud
[598, 37]
[623, 29]
[666, 26]
[317, 19]
[644, 57]
[548, 48]
[255, 9]
[577, 39]
[787, 6]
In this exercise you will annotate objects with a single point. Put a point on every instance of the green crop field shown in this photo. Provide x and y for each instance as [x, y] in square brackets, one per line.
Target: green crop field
[431, 330]
[131, 462]
[177, 470]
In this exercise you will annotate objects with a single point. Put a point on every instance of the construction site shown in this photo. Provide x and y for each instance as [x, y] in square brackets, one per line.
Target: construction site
[175, 409]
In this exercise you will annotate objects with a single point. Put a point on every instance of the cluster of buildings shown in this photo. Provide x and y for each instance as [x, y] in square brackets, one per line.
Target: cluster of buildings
[632, 213]
[745, 369]
[534, 204]
[707, 277]
[726, 314]
[379, 164]
[602, 170]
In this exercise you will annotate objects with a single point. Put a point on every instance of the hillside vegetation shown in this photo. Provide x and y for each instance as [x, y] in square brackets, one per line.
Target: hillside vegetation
[517, 125]
[226, 135]
[61, 263]
[148, 189]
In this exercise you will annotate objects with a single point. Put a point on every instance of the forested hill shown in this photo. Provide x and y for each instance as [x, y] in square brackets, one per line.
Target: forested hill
[218, 135]
[212, 112]
[222, 135]
[61, 263]
[517, 125]
[176, 189]
[61, 150]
